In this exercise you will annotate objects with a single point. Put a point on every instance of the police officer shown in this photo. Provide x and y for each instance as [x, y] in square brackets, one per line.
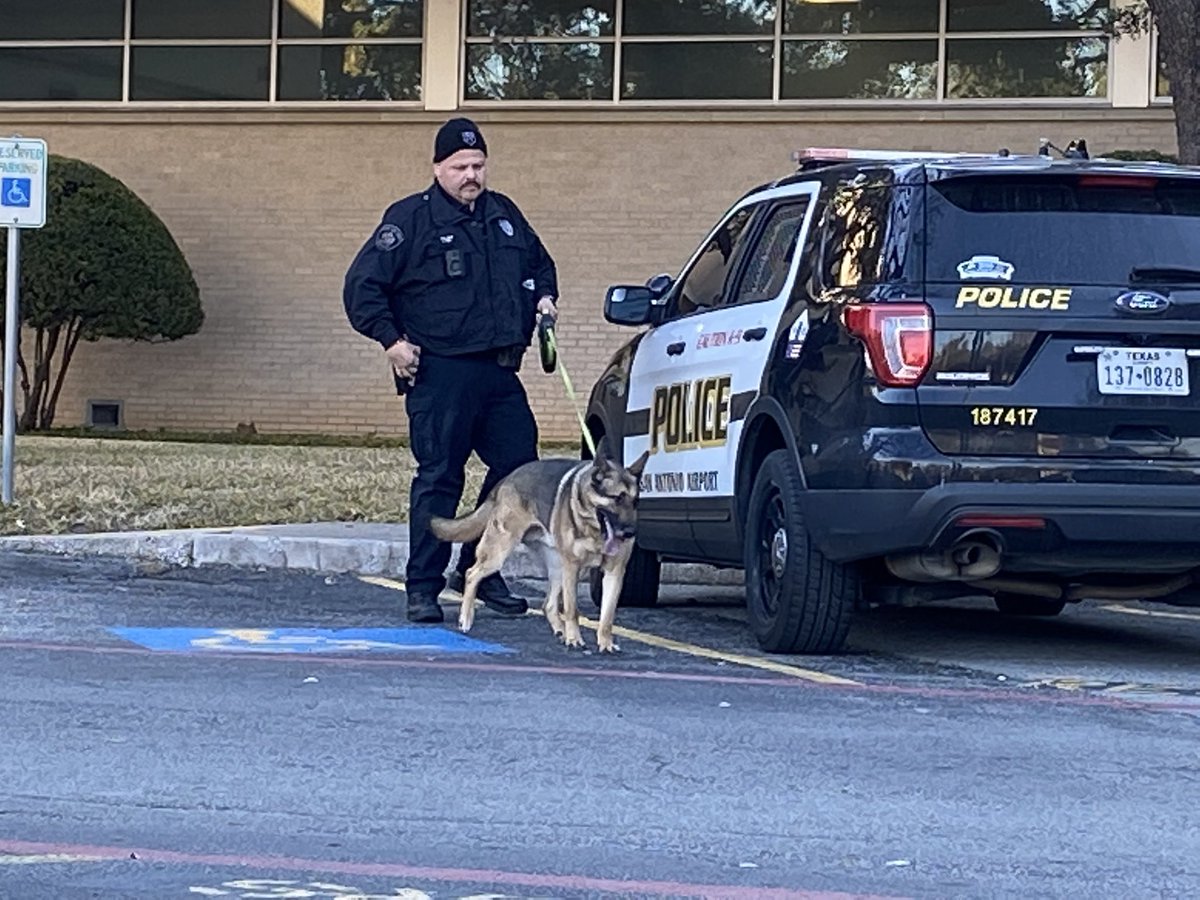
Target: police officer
[451, 285]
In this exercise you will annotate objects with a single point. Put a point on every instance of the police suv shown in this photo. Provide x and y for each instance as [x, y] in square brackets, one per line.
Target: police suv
[897, 377]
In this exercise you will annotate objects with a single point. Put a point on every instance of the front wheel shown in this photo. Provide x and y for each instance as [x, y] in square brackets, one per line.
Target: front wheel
[798, 600]
[640, 587]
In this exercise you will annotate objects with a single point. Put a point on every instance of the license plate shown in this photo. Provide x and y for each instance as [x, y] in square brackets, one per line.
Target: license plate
[1150, 372]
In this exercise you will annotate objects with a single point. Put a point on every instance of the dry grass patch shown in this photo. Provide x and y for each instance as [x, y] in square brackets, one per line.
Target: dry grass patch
[87, 485]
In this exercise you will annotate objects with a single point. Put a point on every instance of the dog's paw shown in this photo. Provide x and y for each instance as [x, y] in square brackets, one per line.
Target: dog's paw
[574, 641]
[609, 646]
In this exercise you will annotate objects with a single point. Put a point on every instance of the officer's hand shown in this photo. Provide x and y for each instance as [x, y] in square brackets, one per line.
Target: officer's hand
[404, 357]
[546, 307]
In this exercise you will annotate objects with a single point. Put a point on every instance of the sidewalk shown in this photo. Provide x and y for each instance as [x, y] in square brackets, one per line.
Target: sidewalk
[357, 548]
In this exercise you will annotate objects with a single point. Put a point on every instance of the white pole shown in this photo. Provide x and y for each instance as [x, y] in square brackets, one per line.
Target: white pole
[11, 318]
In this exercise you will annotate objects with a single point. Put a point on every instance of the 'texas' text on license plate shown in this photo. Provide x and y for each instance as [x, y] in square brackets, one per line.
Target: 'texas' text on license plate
[1146, 371]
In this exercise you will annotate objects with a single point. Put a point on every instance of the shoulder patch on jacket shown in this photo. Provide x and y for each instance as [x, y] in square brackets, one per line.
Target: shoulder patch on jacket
[388, 237]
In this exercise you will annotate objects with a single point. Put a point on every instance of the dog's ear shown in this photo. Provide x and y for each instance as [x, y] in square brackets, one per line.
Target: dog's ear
[635, 469]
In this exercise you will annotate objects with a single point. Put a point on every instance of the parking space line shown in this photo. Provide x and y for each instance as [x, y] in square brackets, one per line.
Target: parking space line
[689, 649]
[756, 662]
[1131, 611]
[393, 584]
[41, 859]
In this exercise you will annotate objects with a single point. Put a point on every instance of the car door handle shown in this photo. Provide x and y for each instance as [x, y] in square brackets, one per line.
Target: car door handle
[676, 348]
[755, 334]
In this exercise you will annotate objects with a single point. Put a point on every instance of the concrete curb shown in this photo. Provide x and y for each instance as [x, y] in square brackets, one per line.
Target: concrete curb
[335, 548]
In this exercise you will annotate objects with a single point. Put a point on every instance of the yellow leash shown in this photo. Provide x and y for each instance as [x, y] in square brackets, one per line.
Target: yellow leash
[552, 342]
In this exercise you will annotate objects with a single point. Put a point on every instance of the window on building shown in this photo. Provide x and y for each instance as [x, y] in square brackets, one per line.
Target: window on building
[867, 50]
[350, 50]
[780, 50]
[219, 50]
[604, 51]
[62, 20]
[1162, 84]
[62, 51]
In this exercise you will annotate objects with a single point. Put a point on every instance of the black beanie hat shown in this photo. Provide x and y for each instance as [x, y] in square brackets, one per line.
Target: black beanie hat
[455, 135]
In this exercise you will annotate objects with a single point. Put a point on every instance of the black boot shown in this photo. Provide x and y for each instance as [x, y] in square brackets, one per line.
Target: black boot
[423, 608]
[493, 592]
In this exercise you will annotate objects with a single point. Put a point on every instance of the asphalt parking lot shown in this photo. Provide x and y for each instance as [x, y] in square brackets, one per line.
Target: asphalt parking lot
[265, 734]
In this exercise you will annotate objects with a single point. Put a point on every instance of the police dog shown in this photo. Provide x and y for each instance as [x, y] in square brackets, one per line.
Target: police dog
[577, 514]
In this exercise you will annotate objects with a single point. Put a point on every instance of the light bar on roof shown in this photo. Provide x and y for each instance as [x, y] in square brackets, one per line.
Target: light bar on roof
[848, 153]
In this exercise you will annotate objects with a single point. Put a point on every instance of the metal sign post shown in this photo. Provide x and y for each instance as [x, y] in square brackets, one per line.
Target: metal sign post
[11, 318]
[22, 205]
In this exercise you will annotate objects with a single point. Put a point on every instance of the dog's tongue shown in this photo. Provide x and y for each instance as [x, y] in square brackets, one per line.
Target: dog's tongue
[611, 543]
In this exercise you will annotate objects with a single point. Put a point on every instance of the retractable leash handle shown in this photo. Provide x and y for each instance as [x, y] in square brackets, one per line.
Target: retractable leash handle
[548, 344]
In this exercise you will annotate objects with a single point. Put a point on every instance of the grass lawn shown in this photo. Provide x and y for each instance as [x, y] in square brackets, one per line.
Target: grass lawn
[78, 484]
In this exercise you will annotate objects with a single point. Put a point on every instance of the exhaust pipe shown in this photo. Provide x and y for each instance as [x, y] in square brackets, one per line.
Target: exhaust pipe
[1148, 590]
[1045, 589]
[974, 557]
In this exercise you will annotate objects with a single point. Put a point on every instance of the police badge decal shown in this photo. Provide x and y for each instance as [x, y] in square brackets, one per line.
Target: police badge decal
[388, 237]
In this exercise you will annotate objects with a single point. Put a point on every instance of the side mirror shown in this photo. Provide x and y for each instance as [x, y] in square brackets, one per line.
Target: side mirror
[629, 304]
[633, 304]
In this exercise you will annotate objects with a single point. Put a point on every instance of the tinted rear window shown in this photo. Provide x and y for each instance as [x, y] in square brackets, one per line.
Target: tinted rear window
[1063, 229]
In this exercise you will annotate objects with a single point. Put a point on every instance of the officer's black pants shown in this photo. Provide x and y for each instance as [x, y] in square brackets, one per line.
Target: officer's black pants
[459, 405]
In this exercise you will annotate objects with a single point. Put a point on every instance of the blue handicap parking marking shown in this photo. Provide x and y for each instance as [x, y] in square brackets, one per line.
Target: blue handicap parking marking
[307, 640]
[16, 191]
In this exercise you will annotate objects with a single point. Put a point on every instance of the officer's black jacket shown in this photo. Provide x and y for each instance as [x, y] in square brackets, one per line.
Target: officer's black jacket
[449, 280]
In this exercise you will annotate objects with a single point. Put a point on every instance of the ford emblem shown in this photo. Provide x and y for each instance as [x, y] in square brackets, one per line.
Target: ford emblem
[1142, 303]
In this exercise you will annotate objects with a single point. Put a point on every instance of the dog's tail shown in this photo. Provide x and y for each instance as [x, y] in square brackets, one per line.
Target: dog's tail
[464, 529]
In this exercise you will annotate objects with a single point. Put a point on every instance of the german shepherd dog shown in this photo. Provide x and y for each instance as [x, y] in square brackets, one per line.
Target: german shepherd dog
[577, 514]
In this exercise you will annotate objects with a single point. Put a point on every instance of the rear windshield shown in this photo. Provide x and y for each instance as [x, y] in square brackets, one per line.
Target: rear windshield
[1061, 229]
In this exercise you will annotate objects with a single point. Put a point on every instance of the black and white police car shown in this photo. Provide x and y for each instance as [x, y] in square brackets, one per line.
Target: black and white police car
[895, 377]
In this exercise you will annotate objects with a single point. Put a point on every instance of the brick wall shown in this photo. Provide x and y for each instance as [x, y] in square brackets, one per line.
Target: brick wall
[270, 207]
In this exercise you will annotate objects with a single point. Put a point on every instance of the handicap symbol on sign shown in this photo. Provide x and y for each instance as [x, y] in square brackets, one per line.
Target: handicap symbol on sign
[16, 191]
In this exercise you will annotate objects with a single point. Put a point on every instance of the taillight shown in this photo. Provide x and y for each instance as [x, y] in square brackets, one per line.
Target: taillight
[899, 339]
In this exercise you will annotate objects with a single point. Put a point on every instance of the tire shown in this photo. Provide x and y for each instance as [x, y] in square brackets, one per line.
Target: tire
[798, 601]
[1021, 605]
[640, 587]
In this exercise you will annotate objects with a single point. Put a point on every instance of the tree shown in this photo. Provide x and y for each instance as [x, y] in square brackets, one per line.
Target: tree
[1178, 24]
[104, 266]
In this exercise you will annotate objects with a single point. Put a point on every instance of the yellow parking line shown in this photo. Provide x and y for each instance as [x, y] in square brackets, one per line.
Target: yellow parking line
[654, 640]
[1130, 611]
[382, 582]
[395, 585]
[739, 659]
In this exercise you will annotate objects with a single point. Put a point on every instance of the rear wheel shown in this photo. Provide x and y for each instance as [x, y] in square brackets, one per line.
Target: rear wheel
[640, 587]
[798, 600]
[1022, 605]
